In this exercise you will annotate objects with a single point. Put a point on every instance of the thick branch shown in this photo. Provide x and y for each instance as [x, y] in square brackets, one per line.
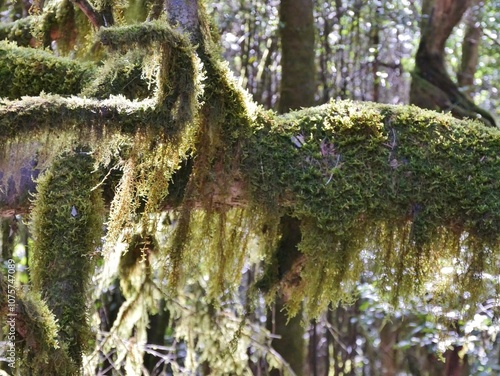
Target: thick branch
[32, 115]
[141, 35]
[345, 162]
[337, 163]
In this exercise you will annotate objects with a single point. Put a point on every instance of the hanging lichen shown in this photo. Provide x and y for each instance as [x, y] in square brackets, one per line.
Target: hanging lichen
[66, 228]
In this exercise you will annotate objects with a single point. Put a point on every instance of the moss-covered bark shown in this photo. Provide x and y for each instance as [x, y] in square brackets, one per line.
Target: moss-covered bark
[50, 113]
[412, 184]
[66, 227]
[37, 346]
[58, 25]
[18, 31]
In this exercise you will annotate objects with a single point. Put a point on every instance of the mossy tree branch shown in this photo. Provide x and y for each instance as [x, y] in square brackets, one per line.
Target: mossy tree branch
[19, 31]
[66, 223]
[54, 113]
[396, 179]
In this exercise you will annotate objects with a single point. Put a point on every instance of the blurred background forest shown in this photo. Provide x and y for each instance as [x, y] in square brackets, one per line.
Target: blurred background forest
[364, 50]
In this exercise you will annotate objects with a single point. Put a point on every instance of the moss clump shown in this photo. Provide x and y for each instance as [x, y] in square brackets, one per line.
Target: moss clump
[66, 225]
[121, 75]
[31, 117]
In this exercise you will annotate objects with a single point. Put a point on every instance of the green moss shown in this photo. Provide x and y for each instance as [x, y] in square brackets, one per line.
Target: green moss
[135, 264]
[66, 227]
[137, 10]
[36, 339]
[413, 188]
[174, 67]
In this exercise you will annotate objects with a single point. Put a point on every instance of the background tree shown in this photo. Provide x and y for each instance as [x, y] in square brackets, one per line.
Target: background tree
[431, 85]
[298, 88]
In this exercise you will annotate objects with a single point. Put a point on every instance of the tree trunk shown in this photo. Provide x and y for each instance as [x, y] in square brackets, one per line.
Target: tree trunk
[298, 82]
[66, 224]
[431, 85]
[388, 336]
[290, 344]
[297, 90]
[454, 364]
[470, 49]
[158, 324]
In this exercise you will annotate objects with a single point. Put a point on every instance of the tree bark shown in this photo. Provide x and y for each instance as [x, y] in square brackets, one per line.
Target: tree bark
[431, 85]
[290, 344]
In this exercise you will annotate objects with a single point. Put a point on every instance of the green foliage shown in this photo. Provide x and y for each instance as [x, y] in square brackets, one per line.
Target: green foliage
[66, 226]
